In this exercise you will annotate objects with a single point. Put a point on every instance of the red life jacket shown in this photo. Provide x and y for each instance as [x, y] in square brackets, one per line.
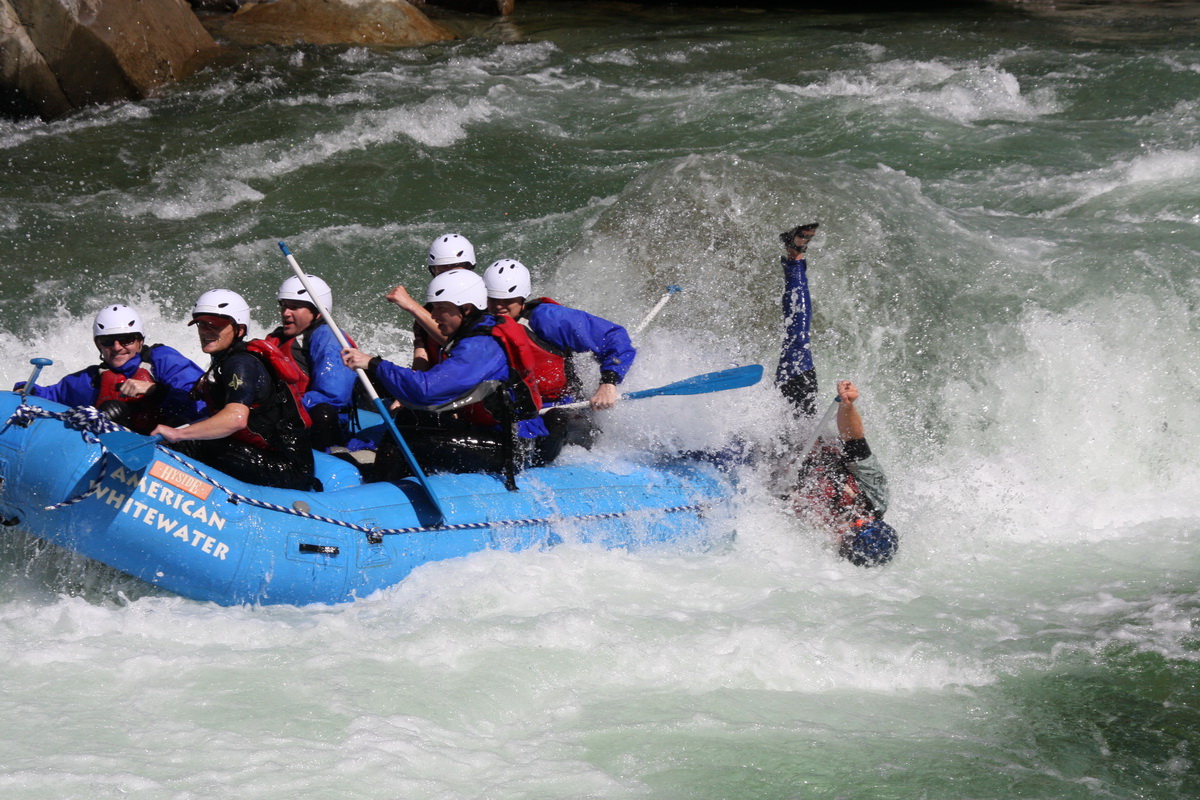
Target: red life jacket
[144, 415]
[298, 357]
[828, 491]
[521, 354]
[284, 346]
[284, 370]
[550, 363]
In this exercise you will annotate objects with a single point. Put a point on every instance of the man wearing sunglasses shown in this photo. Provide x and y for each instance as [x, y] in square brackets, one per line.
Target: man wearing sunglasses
[135, 384]
[841, 484]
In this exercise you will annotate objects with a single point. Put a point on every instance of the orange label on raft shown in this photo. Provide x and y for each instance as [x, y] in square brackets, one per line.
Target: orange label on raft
[181, 480]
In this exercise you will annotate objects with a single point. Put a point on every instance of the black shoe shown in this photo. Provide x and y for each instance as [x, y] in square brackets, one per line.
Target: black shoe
[798, 237]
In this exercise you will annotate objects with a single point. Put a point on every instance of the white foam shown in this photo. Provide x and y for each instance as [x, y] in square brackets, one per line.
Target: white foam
[202, 196]
[623, 57]
[964, 94]
[223, 180]
[16, 134]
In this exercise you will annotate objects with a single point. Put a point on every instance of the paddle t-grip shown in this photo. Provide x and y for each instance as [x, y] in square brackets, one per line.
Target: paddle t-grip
[38, 364]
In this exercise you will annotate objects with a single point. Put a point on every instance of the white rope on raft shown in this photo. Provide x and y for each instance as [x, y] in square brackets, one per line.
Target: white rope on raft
[90, 422]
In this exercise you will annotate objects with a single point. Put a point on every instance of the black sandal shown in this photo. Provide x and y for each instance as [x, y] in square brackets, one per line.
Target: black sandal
[798, 238]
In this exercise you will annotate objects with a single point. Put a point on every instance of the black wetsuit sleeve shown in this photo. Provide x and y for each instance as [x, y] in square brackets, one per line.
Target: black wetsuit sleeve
[248, 381]
[856, 449]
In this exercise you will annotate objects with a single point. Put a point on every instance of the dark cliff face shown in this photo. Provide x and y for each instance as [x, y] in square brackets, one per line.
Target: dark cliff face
[373, 23]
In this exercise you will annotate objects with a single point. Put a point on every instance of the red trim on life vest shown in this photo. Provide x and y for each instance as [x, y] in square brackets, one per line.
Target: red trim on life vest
[549, 367]
[830, 492]
[284, 369]
[144, 415]
[285, 349]
[280, 369]
[111, 380]
[521, 354]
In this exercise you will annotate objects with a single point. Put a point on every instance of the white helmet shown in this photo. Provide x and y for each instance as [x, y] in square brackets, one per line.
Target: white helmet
[222, 303]
[457, 286]
[293, 289]
[507, 278]
[450, 248]
[117, 319]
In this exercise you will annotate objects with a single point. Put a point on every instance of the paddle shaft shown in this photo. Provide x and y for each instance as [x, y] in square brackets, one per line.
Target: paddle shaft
[672, 290]
[734, 378]
[418, 473]
[816, 434]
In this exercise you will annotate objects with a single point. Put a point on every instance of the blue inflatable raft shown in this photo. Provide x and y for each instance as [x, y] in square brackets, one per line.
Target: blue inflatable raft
[192, 530]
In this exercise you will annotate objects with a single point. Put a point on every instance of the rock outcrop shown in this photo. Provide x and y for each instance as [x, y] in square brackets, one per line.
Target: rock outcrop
[59, 55]
[27, 86]
[361, 22]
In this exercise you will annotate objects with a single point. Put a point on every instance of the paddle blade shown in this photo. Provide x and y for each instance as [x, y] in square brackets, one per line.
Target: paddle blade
[735, 378]
[131, 449]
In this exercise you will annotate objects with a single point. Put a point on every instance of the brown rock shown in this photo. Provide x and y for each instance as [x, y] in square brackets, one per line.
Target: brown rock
[26, 80]
[361, 22]
[98, 51]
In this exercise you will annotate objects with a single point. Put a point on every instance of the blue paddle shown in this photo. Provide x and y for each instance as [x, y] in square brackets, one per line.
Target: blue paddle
[734, 378]
[418, 473]
[133, 450]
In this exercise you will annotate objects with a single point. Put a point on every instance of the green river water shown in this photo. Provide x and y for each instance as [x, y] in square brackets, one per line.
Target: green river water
[1010, 230]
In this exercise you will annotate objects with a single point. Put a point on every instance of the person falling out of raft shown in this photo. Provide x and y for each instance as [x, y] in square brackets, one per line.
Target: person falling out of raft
[559, 333]
[255, 428]
[135, 384]
[840, 485]
[327, 386]
[482, 391]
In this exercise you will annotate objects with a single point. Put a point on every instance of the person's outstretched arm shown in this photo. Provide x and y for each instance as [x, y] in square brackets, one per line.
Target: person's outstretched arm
[849, 422]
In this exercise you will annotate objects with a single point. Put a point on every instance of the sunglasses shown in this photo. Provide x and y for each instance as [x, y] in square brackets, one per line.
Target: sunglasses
[123, 339]
[215, 325]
